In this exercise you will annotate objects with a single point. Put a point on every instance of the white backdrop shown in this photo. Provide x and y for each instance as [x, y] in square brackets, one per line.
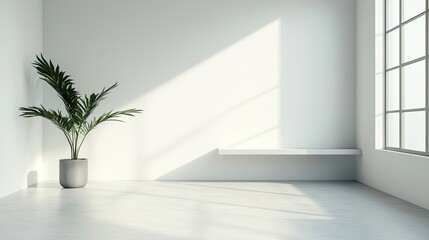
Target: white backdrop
[208, 74]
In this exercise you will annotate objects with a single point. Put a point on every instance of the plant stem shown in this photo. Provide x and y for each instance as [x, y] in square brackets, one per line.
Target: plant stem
[80, 145]
[75, 145]
[69, 141]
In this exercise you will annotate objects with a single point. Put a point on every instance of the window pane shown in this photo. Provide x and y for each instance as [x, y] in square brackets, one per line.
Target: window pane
[392, 90]
[414, 130]
[413, 85]
[414, 39]
[412, 8]
[392, 130]
[392, 11]
[392, 48]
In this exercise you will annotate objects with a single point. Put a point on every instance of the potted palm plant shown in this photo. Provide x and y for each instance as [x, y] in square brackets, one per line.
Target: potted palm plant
[76, 123]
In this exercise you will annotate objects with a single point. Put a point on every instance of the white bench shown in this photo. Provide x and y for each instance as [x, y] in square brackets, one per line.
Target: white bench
[289, 151]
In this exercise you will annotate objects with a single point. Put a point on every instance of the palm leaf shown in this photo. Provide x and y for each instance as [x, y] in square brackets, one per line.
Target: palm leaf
[88, 104]
[110, 116]
[60, 82]
[56, 117]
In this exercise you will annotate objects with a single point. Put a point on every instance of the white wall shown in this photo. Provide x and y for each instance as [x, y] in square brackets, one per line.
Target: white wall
[402, 175]
[209, 74]
[20, 139]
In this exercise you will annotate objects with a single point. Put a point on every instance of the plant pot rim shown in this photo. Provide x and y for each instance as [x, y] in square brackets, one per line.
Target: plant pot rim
[78, 159]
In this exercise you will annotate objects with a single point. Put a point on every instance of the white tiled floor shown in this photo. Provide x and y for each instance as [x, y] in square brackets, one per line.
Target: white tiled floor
[209, 210]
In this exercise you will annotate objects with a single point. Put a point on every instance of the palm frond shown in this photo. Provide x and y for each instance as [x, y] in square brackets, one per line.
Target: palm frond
[90, 102]
[110, 116]
[56, 117]
[60, 82]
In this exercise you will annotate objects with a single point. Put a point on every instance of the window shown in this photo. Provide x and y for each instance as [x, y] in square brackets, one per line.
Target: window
[406, 76]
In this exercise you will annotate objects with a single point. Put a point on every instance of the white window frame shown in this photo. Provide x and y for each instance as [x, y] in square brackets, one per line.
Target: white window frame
[401, 65]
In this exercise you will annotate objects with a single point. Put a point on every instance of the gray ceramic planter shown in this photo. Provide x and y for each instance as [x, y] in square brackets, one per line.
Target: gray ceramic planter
[73, 173]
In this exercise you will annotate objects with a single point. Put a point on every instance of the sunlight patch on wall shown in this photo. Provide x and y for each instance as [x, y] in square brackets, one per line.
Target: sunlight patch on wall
[232, 99]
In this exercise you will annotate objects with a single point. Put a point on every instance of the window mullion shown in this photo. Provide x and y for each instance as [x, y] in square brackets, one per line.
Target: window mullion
[385, 75]
[426, 82]
[400, 74]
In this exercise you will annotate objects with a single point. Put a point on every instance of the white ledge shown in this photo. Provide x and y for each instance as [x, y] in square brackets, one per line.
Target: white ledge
[290, 151]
